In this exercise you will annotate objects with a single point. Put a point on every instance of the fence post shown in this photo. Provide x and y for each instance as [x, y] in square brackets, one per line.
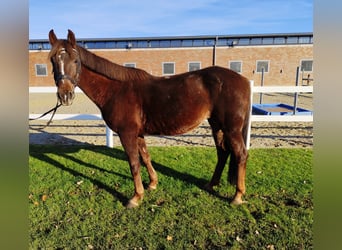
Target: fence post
[109, 137]
[296, 93]
[248, 137]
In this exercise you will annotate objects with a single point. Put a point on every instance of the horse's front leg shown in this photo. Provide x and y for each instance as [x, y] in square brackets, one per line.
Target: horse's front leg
[130, 143]
[147, 160]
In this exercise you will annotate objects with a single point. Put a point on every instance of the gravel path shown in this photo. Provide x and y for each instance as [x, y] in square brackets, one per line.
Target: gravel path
[70, 132]
[263, 135]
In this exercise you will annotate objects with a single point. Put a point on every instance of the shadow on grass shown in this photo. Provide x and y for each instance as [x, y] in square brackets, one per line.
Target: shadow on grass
[164, 170]
[66, 152]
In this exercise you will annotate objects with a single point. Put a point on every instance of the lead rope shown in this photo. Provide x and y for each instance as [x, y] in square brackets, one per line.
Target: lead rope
[48, 123]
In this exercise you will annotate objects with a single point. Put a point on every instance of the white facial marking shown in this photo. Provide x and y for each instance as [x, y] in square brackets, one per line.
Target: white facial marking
[61, 62]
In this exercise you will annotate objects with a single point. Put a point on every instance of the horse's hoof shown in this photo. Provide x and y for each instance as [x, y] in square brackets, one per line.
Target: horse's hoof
[152, 187]
[132, 204]
[237, 202]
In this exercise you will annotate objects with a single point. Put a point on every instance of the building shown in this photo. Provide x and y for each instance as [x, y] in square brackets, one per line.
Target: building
[278, 55]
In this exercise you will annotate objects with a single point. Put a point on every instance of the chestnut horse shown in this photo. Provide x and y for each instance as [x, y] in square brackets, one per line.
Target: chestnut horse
[134, 103]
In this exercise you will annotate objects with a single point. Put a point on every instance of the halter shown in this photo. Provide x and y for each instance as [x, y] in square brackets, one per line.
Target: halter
[62, 75]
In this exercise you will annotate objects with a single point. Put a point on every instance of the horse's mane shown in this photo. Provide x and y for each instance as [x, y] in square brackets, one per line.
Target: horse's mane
[101, 65]
[110, 69]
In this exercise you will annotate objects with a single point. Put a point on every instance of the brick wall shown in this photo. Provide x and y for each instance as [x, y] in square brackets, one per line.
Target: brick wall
[283, 61]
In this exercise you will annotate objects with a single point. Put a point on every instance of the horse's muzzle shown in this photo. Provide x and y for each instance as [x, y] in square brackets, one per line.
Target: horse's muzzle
[66, 97]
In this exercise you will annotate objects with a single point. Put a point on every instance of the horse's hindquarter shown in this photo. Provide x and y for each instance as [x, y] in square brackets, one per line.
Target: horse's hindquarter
[175, 105]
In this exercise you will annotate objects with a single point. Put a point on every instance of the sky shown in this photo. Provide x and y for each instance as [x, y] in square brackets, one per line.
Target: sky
[153, 18]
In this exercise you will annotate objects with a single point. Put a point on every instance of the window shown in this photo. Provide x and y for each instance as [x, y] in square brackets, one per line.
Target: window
[187, 43]
[100, 45]
[262, 65]
[292, 39]
[132, 44]
[267, 40]
[279, 40]
[232, 42]
[306, 65]
[154, 44]
[121, 45]
[168, 68]
[176, 43]
[89, 45]
[244, 41]
[142, 44]
[256, 40]
[46, 46]
[222, 42]
[130, 65]
[304, 39]
[194, 66]
[110, 45]
[165, 43]
[209, 42]
[40, 46]
[41, 70]
[236, 66]
[198, 43]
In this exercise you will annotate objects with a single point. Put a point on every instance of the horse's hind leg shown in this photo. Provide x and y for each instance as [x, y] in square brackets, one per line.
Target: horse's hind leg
[237, 165]
[147, 160]
[222, 156]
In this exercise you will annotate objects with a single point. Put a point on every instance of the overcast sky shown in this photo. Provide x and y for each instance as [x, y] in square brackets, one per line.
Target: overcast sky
[137, 18]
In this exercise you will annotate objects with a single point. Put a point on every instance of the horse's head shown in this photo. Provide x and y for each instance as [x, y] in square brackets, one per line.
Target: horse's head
[66, 65]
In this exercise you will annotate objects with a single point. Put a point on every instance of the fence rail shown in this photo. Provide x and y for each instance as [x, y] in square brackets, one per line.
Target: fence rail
[253, 118]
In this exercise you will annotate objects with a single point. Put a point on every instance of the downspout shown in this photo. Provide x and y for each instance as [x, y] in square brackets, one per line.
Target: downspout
[214, 51]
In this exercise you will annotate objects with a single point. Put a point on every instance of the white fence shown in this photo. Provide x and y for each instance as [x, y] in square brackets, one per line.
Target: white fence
[254, 118]
[277, 118]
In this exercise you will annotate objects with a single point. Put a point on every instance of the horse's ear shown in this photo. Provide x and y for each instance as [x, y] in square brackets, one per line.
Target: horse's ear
[52, 37]
[71, 38]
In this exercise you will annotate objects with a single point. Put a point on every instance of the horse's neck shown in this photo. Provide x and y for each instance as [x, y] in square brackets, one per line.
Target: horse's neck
[101, 79]
[97, 87]
[110, 69]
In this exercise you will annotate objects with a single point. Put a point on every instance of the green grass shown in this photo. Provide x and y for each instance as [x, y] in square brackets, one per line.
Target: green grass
[77, 196]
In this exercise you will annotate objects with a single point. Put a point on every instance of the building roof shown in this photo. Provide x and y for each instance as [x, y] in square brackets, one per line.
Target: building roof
[185, 41]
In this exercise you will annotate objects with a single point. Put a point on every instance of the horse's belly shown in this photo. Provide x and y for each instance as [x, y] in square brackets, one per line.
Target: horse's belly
[175, 124]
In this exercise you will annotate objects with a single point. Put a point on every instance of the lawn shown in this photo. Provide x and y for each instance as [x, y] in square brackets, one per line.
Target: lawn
[77, 196]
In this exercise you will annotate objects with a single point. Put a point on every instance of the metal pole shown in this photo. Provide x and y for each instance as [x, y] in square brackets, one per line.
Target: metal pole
[296, 93]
